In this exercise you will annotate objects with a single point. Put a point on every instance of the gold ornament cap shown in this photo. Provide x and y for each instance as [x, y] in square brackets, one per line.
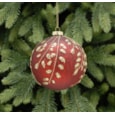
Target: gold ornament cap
[59, 33]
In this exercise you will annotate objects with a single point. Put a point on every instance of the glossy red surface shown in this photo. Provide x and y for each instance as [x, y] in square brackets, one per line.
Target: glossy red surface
[58, 63]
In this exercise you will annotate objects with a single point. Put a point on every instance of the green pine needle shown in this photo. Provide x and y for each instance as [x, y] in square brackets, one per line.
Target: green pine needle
[46, 103]
[76, 102]
[12, 15]
[87, 82]
[110, 76]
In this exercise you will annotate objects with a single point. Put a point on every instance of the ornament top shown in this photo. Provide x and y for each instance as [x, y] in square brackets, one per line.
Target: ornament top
[57, 33]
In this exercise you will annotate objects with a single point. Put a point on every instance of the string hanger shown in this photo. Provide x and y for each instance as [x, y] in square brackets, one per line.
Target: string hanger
[57, 28]
[57, 17]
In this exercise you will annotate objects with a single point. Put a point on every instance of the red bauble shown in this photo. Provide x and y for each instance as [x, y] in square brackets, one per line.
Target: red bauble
[58, 62]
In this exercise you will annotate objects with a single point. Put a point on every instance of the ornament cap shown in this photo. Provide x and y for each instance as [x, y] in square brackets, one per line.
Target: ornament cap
[59, 33]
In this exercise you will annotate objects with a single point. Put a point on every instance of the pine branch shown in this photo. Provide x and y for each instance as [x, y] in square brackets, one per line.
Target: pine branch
[74, 32]
[7, 95]
[87, 82]
[111, 99]
[93, 96]
[27, 11]
[104, 59]
[26, 26]
[110, 76]
[12, 15]
[104, 19]
[22, 46]
[3, 13]
[63, 6]
[102, 56]
[103, 88]
[107, 48]
[65, 100]
[37, 29]
[101, 38]
[79, 28]
[46, 102]
[21, 89]
[110, 7]
[27, 82]
[12, 78]
[76, 102]
[5, 65]
[86, 29]
[66, 24]
[95, 20]
[17, 101]
[48, 15]
[95, 71]
[24, 94]
[5, 54]
[6, 108]
[9, 61]
[101, 17]
[13, 35]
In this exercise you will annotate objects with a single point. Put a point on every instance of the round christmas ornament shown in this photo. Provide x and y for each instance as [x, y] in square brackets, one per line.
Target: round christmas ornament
[58, 62]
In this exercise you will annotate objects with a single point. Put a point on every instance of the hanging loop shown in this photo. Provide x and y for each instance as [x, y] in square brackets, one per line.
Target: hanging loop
[57, 17]
[57, 28]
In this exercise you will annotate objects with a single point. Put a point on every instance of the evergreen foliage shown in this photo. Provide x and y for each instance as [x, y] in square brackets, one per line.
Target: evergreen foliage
[74, 102]
[23, 25]
[46, 101]
[79, 28]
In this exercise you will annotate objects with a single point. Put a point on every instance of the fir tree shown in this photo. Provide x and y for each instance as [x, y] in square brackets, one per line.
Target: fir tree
[23, 25]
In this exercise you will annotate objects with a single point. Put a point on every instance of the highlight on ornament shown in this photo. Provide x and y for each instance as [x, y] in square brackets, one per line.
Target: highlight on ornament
[58, 62]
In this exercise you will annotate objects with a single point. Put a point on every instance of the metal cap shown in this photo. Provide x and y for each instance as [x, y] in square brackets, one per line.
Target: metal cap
[54, 33]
